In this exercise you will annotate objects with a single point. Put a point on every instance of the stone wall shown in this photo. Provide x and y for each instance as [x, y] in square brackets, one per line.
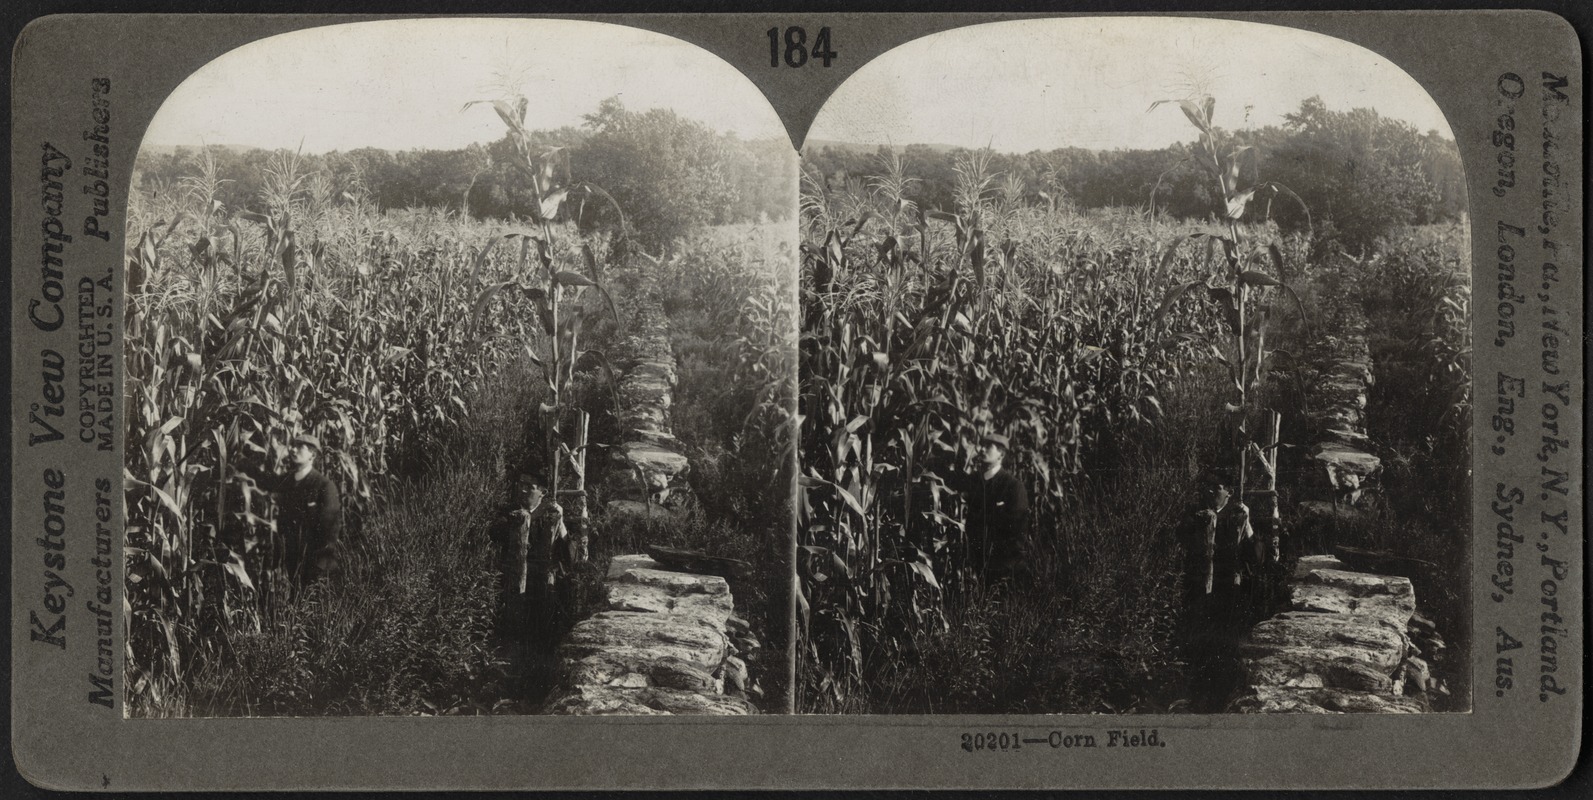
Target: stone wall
[1350, 639]
[1346, 644]
[649, 470]
[1339, 468]
[666, 642]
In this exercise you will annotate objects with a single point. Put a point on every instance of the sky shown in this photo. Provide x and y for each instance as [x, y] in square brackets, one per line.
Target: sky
[400, 84]
[1045, 84]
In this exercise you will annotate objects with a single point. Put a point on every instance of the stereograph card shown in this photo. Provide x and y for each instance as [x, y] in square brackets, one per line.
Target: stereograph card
[809, 400]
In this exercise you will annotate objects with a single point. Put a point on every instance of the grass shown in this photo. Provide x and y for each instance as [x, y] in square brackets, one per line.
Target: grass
[1092, 628]
[1103, 350]
[410, 627]
[429, 416]
[1419, 413]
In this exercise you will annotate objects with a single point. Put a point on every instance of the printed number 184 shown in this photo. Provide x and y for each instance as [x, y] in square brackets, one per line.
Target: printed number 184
[795, 47]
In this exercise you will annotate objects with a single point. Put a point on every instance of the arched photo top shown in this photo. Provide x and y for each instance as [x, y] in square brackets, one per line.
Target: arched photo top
[1087, 82]
[401, 322]
[1127, 285]
[400, 85]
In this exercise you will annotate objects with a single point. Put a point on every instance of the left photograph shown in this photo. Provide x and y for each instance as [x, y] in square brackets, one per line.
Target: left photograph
[460, 379]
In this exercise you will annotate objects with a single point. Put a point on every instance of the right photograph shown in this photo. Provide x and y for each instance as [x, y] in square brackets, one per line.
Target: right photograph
[1135, 378]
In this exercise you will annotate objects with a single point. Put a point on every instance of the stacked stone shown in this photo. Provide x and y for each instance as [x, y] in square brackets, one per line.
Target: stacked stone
[1343, 646]
[650, 471]
[663, 645]
[1351, 640]
[1340, 466]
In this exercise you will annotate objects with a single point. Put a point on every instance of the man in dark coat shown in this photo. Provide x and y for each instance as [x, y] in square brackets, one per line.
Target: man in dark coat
[998, 513]
[309, 512]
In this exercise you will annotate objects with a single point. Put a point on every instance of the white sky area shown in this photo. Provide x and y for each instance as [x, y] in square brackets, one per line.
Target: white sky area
[399, 85]
[1044, 84]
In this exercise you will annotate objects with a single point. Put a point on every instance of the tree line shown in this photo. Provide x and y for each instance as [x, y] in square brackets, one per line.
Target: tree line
[667, 174]
[1359, 174]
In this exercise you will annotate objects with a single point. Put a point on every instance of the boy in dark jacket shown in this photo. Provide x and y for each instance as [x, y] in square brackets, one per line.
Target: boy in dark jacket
[309, 512]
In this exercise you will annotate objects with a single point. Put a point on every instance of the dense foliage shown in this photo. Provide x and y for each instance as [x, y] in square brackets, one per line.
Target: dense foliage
[435, 356]
[668, 172]
[1361, 175]
[1117, 350]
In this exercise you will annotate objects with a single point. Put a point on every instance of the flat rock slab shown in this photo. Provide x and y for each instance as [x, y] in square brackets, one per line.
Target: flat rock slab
[675, 584]
[1307, 668]
[1349, 437]
[1291, 700]
[1359, 371]
[630, 633]
[651, 701]
[1380, 562]
[658, 462]
[653, 371]
[1340, 416]
[618, 564]
[1346, 459]
[1388, 597]
[1347, 392]
[695, 562]
[708, 609]
[1332, 636]
[1306, 564]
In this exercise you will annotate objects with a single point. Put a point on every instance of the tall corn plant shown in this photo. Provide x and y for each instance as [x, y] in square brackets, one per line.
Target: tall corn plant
[241, 333]
[1242, 293]
[921, 332]
[557, 299]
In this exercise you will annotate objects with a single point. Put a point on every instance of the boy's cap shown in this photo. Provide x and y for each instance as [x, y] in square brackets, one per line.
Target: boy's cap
[998, 440]
[307, 438]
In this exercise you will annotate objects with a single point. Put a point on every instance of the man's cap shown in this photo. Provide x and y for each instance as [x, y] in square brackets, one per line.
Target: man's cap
[307, 438]
[997, 439]
[526, 480]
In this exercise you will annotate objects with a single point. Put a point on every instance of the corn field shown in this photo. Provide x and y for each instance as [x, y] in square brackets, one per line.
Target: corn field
[1070, 333]
[372, 331]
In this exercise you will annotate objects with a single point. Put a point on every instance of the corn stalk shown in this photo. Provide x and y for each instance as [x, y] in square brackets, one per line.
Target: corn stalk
[1241, 294]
